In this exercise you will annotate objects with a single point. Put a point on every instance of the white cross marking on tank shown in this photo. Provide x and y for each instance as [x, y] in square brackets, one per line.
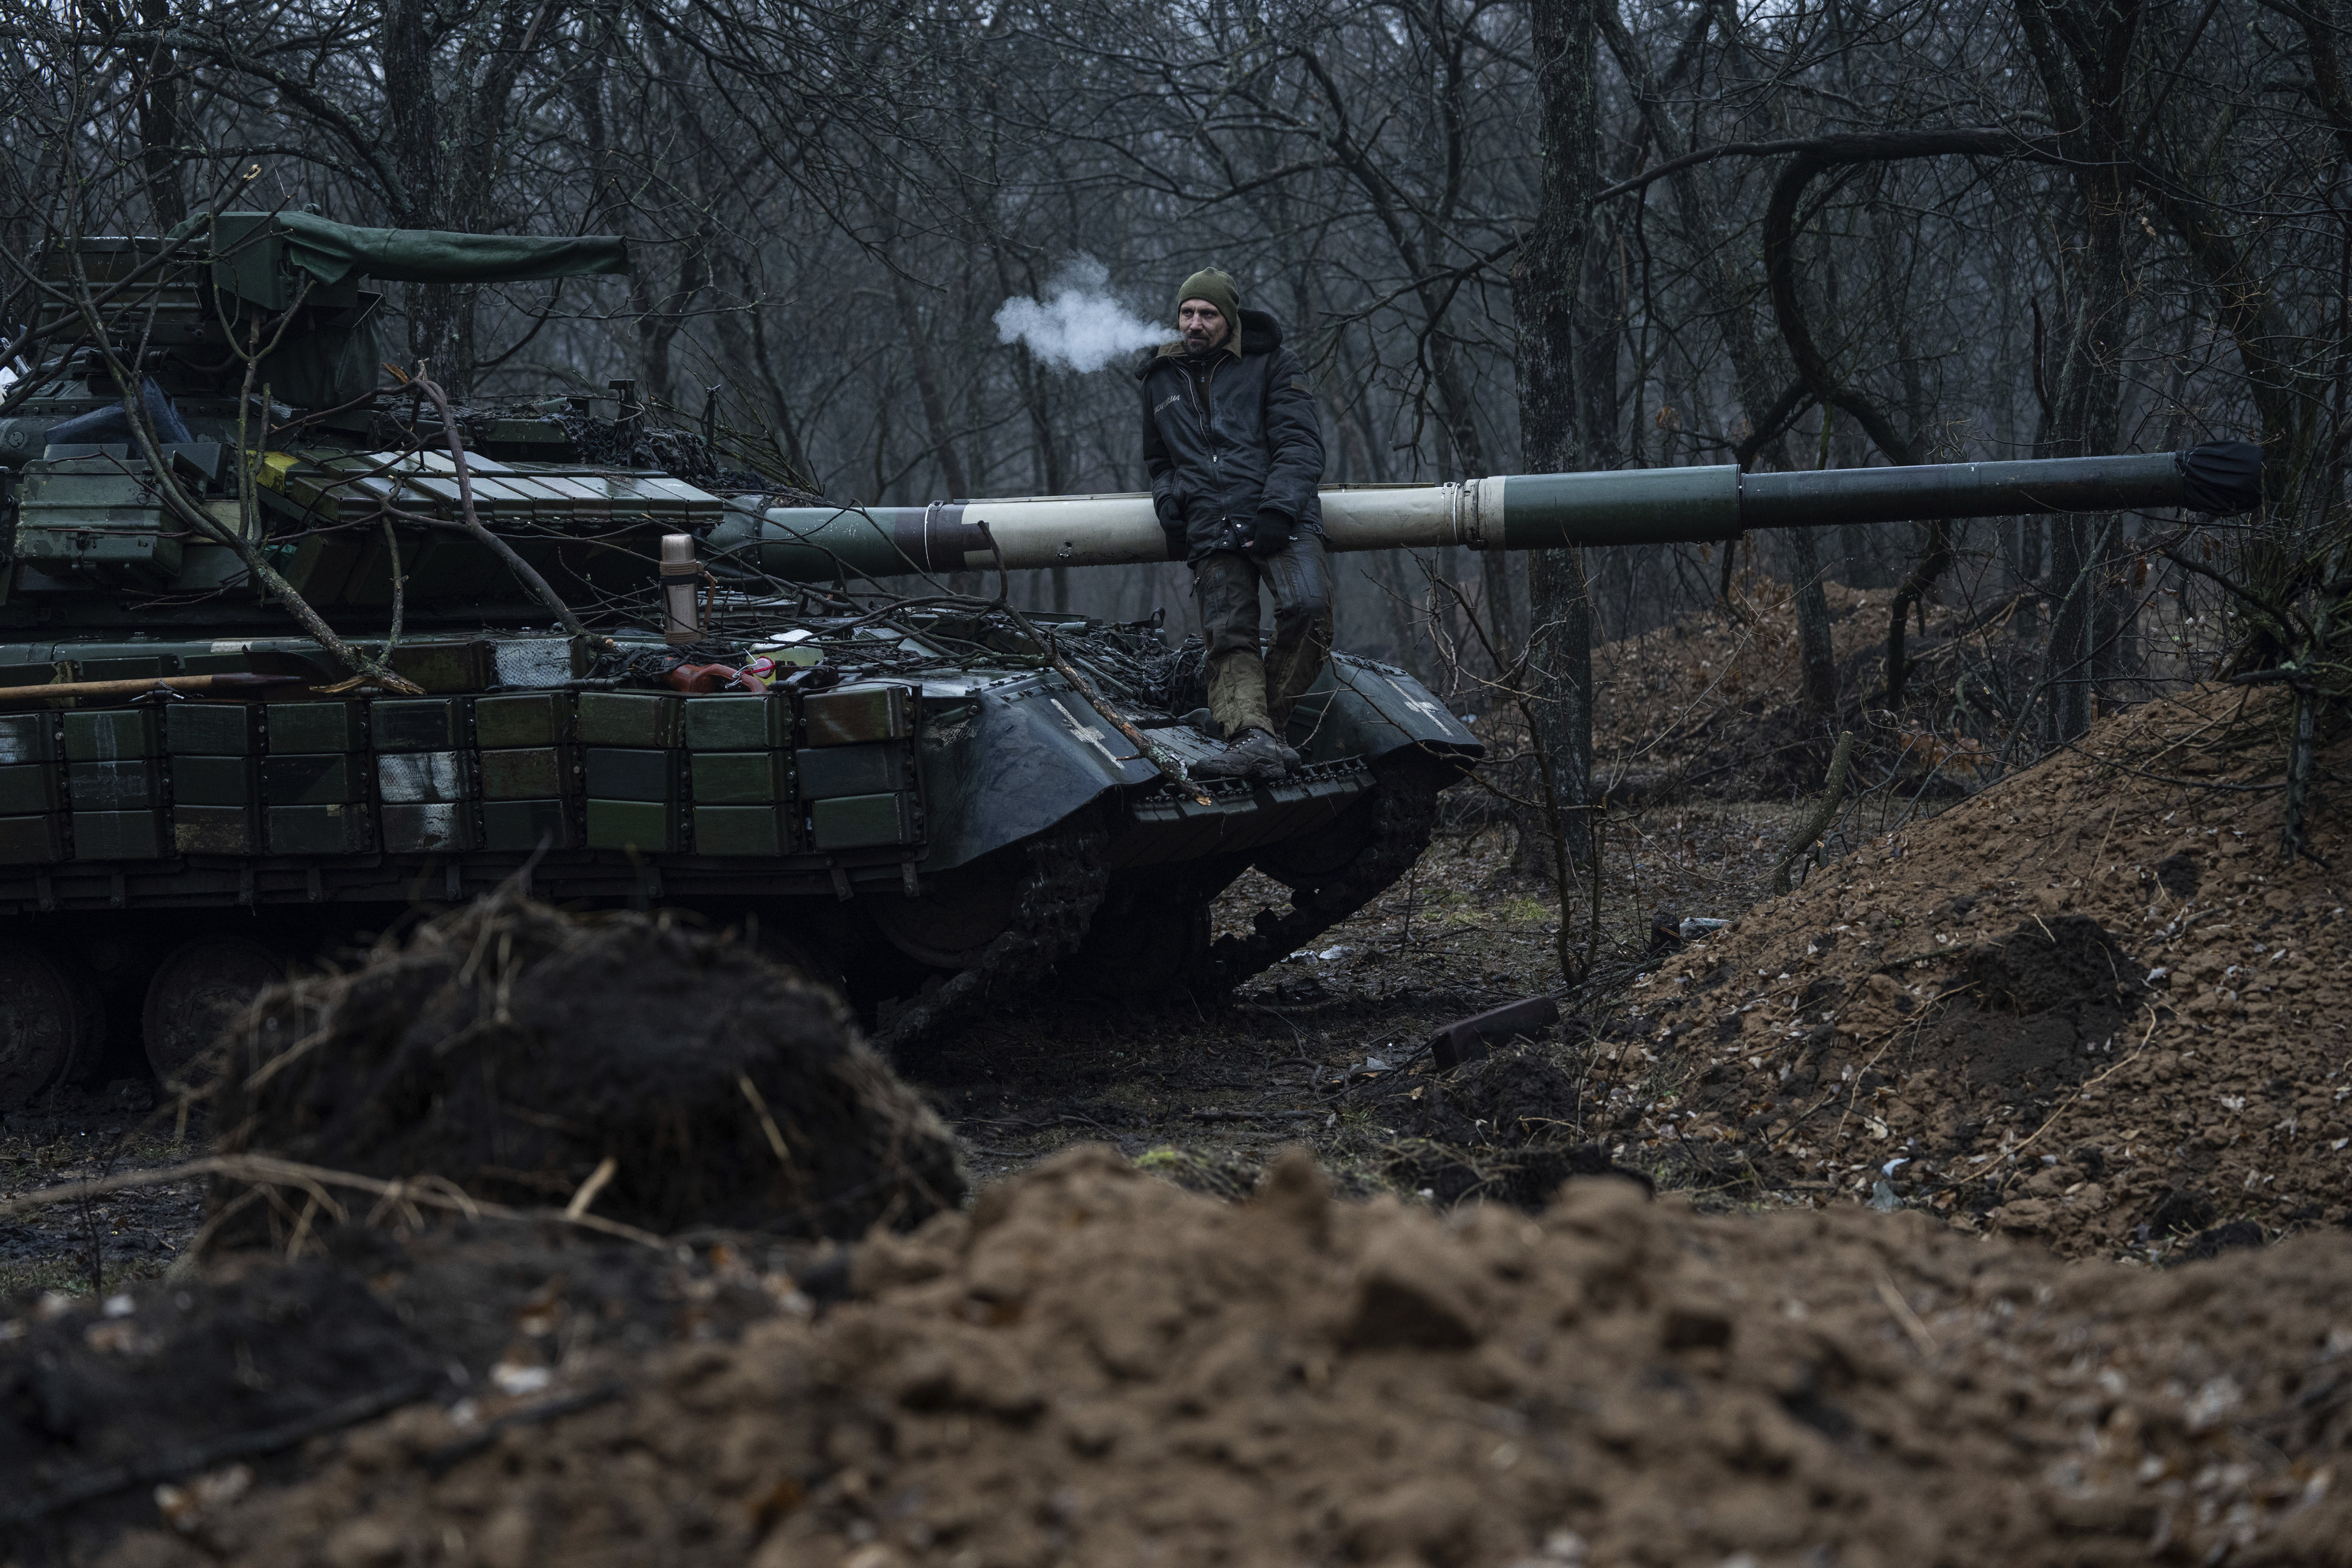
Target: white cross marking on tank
[1086, 733]
[1421, 705]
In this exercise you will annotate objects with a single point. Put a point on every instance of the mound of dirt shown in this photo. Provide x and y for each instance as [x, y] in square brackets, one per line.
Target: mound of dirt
[1707, 705]
[1095, 1367]
[1500, 1128]
[512, 1050]
[2091, 1004]
[225, 1374]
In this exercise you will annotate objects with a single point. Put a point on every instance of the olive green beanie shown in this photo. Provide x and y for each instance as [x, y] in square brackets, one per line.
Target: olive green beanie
[1216, 286]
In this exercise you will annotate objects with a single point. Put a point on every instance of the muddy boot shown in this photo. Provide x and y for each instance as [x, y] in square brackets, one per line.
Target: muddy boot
[1256, 756]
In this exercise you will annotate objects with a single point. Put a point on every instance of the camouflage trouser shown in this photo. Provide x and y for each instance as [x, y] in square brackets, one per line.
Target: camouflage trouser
[1247, 688]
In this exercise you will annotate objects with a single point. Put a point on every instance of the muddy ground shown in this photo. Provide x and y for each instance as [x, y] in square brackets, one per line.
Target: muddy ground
[1202, 1094]
[1981, 1199]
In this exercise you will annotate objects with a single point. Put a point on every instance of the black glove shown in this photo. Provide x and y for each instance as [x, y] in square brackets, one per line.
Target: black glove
[1170, 509]
[1269, 534]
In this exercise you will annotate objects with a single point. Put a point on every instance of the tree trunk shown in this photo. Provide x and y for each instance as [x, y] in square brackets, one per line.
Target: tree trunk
[1545, 287]
[162, 102]
[926, 389]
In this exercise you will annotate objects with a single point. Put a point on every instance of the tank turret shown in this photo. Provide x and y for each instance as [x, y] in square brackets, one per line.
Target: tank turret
[927, 801]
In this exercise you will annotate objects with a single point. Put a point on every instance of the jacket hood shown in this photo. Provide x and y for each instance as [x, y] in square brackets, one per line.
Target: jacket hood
[1261, 335]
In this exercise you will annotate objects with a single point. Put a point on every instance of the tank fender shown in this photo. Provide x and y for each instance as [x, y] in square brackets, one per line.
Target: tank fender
[1359, 708]
[1010, 761]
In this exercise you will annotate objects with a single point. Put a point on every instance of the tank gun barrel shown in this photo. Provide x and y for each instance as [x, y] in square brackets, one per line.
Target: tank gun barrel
[1518, 512]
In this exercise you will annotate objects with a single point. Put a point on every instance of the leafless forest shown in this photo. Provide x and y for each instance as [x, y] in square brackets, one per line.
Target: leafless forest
[1504, 236]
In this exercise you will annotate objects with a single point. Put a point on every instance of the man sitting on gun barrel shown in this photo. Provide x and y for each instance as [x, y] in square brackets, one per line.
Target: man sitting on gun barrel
[1235, 452]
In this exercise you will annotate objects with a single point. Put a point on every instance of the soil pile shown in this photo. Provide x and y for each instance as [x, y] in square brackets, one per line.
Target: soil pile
[202, 1384]
[513, 1051]
[1503, 1128]
[2090, 1004]
[1094, 1366]
[1707, 705]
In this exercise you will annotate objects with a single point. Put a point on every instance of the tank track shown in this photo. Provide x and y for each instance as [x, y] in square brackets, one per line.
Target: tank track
[1062, 883]
[1404, 813]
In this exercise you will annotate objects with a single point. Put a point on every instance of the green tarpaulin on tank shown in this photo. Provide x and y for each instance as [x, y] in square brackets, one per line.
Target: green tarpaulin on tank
[331, 252]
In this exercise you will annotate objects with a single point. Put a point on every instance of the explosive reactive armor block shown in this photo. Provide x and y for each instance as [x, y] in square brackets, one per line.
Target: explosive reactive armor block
[862, 821]
[213, 730]
[524, 825]
[740, 778]
[524, 719]
[31, 738]
[318, 726]
[745, 723]
[743, 829]
[135, 785]
[417, 725]
[321, 778]
[872, 769]
[111, 735]
[341, 828]
[120, 836]
[429, 829]
[217, 829]
[618, 773]
[530, 773]
[215, 781]
[850, 715]
[29, 787]
[641, 718]
[32, 840]
[645, 826]
[416, 778]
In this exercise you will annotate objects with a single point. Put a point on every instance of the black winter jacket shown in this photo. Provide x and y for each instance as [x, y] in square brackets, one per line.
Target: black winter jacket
[1256, 443]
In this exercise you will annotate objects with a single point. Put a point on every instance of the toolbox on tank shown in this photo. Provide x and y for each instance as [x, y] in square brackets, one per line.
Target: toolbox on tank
[849, 714]
[862, 821]
[318, 726]
[30, 738]
[742, 830]
[31, 840]
[215, 781]
[646, 827]
[428, 829]
[116, 786]
[614, 774]
[417, 725]
[740, 778]
[217, 829]
[111, 735]
[524, 719]
[530, 773]
[642, 719]
[418, 778]
[213, 730]
[525, 825]
[341, 828]
[120, 836]
[745, 723]
[325, 778]
[28, 787]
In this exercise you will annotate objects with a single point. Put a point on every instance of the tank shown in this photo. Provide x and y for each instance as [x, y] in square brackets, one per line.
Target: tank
[927, 798]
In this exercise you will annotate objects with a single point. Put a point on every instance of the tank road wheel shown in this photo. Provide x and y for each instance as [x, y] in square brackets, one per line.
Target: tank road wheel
[199, 988]
[952, 923]
[47, 1015]
[997, 927]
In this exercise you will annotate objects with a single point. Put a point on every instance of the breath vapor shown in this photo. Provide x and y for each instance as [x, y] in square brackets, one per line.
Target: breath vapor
[1078, 325]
